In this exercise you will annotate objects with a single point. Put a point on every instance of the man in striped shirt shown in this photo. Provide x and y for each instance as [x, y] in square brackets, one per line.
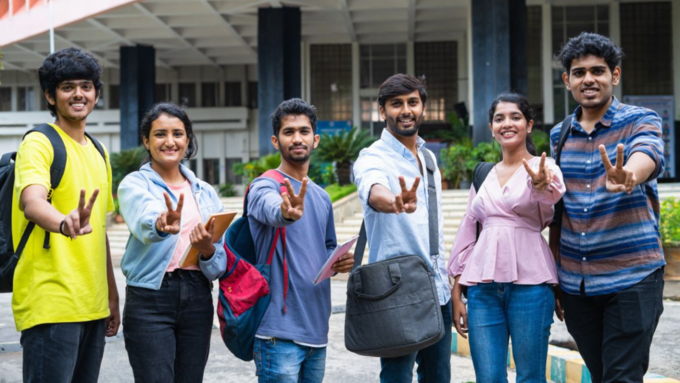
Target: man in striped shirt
[610, 260]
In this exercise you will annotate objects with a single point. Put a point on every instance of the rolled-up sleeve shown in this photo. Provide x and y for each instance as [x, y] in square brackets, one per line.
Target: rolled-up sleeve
[369, 170]
[646, 138]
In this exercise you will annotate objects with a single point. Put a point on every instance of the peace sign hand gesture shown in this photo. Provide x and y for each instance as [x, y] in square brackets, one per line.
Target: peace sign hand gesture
[407, 201]
[293, 205]
[168, 221]
[541, 179]
[619, 179]
[77, 222]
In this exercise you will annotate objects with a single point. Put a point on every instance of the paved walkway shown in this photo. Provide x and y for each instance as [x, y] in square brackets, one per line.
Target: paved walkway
[341, 365]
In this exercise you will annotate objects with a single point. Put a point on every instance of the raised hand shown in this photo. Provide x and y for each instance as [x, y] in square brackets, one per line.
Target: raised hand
[77, 222]
[619, 179]
[202, 240]
[541, 179]
[407, 201]
[293, 205]
[168, 221]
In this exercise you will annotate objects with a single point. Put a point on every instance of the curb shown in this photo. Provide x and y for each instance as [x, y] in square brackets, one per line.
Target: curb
[562, 365]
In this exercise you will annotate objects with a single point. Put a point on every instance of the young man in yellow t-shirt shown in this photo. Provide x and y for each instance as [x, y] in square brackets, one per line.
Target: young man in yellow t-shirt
[65, 299]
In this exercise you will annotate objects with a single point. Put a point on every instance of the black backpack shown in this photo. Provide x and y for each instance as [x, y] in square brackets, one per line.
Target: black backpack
[8, 257]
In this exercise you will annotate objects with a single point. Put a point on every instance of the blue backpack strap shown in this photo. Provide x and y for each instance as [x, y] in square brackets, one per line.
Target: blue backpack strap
[57, 167]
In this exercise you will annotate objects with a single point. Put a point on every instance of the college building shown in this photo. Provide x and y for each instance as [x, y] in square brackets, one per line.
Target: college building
[230, 62]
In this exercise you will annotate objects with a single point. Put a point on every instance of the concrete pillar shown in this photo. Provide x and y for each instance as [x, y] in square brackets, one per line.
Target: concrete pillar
[498, 36]
[137, 91]
[547, 65]
[278, 65]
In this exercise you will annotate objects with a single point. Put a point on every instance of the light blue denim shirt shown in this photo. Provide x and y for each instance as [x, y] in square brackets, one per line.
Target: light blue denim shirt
[391, 235]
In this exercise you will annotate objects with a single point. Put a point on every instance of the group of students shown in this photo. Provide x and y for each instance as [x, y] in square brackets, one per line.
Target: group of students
[605, 277]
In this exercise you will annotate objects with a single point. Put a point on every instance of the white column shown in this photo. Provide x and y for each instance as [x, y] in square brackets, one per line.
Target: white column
[356, 83]
[14, 98]
[410, 58]
[471, 92]
[547, 64]
[615, 35]
[676, 57]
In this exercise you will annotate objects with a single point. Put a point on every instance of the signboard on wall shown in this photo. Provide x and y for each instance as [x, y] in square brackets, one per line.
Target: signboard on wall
[664, 106]
[333, 127]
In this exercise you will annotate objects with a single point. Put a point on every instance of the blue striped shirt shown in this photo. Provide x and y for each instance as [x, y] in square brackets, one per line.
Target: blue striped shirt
[610, 241]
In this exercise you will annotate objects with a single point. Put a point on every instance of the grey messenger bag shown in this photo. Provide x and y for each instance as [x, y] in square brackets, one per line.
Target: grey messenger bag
[392, 305]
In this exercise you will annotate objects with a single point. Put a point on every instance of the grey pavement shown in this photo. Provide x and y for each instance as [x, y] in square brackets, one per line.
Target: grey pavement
[341, 365]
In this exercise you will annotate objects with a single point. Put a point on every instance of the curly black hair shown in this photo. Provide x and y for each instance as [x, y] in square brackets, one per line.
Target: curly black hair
[587, 44]
[68, 64]
[293, 107]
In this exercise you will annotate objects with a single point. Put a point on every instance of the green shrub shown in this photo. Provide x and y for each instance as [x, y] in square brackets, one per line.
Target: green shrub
[670, 222]
[226, 190]
[337, 192]
[342, 149]
[253, 169]
[542, 141]
[124, 163]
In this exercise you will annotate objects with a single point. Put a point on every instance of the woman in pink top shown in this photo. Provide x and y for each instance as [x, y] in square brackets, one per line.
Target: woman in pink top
[509, 270]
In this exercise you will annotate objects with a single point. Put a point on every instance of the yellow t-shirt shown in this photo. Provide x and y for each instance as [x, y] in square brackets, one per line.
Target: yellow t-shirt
[67, 282]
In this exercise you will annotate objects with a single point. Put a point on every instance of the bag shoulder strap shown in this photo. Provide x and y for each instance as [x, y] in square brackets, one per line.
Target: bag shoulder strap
[482, 170]
[432, 212]
[564, 134]
[57, 167]
[98, 146]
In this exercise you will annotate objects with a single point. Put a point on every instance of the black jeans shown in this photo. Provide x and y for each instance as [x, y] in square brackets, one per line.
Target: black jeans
[63, 352]
[434, 362]
[167, 331]
[614, 332]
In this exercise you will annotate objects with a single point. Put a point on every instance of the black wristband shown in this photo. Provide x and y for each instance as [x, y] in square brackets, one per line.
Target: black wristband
[61, 228]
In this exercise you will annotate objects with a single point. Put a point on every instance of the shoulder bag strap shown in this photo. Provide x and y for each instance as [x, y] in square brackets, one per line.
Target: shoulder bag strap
[433, 216]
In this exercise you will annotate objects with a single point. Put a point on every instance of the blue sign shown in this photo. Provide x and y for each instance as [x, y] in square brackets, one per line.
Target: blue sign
[333, 127]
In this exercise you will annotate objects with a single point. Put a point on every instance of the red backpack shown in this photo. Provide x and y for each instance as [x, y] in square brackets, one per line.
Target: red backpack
[244, 293]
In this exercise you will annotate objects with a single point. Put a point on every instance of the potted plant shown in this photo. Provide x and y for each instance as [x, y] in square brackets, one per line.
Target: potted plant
[343, 149]
[458, 162]
[122, 164]
[670, 236]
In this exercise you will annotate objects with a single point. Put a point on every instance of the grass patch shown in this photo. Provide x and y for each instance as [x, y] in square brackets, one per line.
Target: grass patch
[337, 192]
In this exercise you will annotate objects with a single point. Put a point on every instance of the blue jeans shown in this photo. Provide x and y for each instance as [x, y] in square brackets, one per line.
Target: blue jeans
[167, 331]
[283, 361]
[434, 362]
[522, 312]
[63, 352]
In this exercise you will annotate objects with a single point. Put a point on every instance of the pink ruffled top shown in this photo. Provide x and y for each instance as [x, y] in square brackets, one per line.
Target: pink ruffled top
[510, 248]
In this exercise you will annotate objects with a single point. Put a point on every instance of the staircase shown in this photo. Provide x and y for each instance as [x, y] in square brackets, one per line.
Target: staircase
[454, 203]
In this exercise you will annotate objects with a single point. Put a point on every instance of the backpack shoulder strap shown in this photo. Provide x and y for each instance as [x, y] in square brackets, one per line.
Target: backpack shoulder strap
[59, 162]
[564, 134]
[97, 145]
[482, 170]
[433, 212]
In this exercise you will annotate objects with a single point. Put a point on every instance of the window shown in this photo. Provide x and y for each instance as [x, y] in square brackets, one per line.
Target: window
[370, 116]
[5, 99]
[378, 62]
[210, 94]
[438, 62]
[331, 81]
[232, 93]
[187, 95]
[163, 93]
[26, 98]
[568, 22]
[231, 177]
[114, 96]
[252, 94]
[647, 38]
[211, 171]
[534, 62]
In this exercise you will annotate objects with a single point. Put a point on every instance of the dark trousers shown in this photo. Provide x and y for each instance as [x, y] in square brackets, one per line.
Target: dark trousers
[434, 362]
[167, 331]
[614, 332]
[63, 352]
